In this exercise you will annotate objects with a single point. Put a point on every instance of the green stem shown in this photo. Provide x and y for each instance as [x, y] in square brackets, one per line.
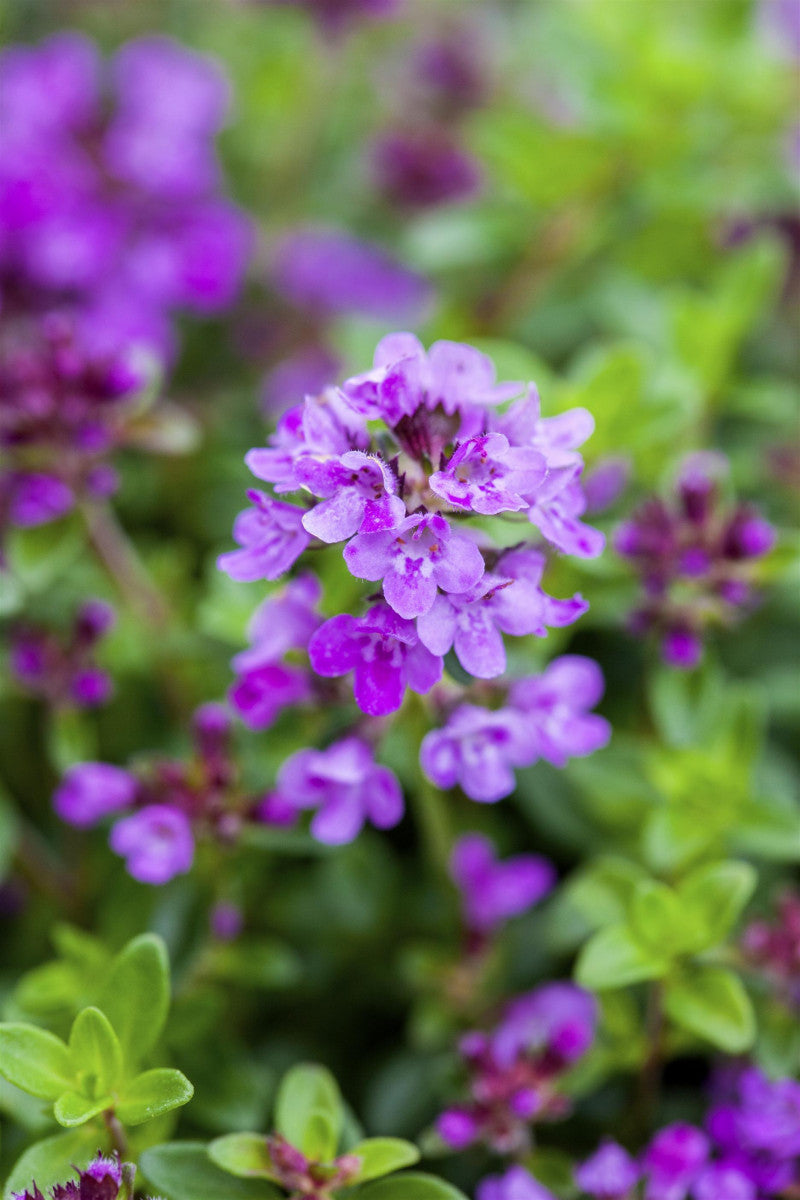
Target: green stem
[121, 560]
[429, 803]
[650, 1076]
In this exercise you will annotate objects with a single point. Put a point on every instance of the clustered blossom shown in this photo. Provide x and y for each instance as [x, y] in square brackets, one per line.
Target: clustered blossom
[514, 1072]
[63, 671]
[306, 1177]
[546, 718]
[493, 891]
[110, 189]
[515, 1184]
[750, 1149]
[103, 1179]
[695, 557]
[162, 808]
[773, 949]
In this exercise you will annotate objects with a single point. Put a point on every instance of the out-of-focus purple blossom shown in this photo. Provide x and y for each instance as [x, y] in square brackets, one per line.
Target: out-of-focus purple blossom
[384, 653]
[61, 669]
[272, 538]
[31, 498]
[423, 168]
[336, 16]
[327, 272]
[478, 750]
[514, 1072]
[449, 70]
[156, 843]
[493, 891]
[308, 372]
[261, 693]
[555, 704]
[756, 1126]
[773, 948]
[346, 787]
[721, 1181]
[515, 1184]
[695, 559]
[673, 1160]
[605, 482]
[414, 559]
[226, 921]
[322, 427]
[610, 1173]
[90, 791]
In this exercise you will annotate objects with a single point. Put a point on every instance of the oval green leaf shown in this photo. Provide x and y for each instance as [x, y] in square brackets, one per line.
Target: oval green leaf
[183, 1171]
[35, 1060]
[382, 1155]
[153, 1093]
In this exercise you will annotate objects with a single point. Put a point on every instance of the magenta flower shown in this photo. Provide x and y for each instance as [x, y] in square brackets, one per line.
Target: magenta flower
[558, 1017]
[493, 891]
[156, 842]
[384, 653]
[673, 1160]
[272, 538]
[28, 498]
[90, 791]
[488, 475]
[261, 693]
[756, 1125]
[555, 703]
[60, 669]
[610, 1173]
[557, 517]
[360, 491]
[413, 559]
[478, 750]
[516, 1184]
[723, 1181]
[346, 787]
[423, 168]
[101, 1180]
[323, 427]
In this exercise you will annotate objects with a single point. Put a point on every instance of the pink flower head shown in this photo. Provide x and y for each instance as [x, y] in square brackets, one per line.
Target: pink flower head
[478, 750]
[558, 1018]
[673, 1160]
[360, 494]
[90, 791]
[156, 842]
[493, 891]
[516, 1184]
[272, 538]
[488, 475]
[610, 1173]
[384, 653]
[323, 427]
[413, 559]
[555, 704]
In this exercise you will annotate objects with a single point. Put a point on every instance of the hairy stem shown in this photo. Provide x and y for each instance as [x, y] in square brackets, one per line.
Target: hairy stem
[121, 560]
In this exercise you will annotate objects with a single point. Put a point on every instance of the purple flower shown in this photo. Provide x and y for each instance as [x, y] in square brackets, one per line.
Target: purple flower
[493, 891]
[156, 842]
[558, 1017]
[346, 787]
[555, 705]
[331, 272]
[757, 1127]
[90, 791]
[335, 16]
[673, 1161]
[305, 373]
[261, 693]
[413, 559]
[721, 1181]
[458, 1128]
[35, 499]
[272, 538]
[101, 1180]
[423, 168]
[323, 427]
[557, 517]
[488, 475]
[605, 483]
[285, 621]
[610, 1173]
[384, 653]
[360, 491]
[478, 750]
[516, 1184]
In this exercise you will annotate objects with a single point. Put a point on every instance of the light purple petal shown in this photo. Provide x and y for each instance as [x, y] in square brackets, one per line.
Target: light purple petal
[332, 650]
[437, 627]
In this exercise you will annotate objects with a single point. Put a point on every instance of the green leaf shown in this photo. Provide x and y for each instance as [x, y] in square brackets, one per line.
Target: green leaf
[35, 1060]
[95, 1051]
[255, 962]
[305, 1092]
[655, 916]
[712, 1003]
[242, 1154]
[712, 898]
[73, 1108]
[135, 997]
[50, 1161]
[183, 1171]
[152, 1093]
[614, 958]
[382, 1155]
[410, 1186]
[320, 1136]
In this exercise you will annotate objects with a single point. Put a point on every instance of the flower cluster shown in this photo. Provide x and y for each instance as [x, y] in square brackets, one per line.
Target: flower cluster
[103, 1179]
[694, 556]
[749, 1151]
[303, 1176]
[773, 948]
[167, 805]
[63, 671]
[514, 1072]
[110, 190]
[493, 891]
[515, 1184]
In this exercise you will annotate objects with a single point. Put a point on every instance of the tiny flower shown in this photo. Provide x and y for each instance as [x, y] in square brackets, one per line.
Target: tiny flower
[423, 168]
[360, 494]
[493, 891]
[156, 842]
[419, 555]
[610, 1173]
[457, 1127]
[36, 499]
[346, 787]
[488, 475]
[558, 1017]
[323, 427]
[478, 750]
[721, 1181]
[516, 1184]
[673, 1160]
[555, 704]
[272, 538]
[384, 653]
[261, 692]
[90, 791]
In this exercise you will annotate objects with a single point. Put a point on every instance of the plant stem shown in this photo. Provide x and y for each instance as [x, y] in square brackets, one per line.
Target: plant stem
[429, 802]
[121, 560]
[116, 1132]
[650, 1076]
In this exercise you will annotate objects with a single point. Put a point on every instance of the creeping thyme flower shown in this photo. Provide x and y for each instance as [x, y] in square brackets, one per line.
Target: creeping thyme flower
[62, 671]
[673, 1159]
[272, 538]
[423, 167]
[346, 787]
[90, 791]
[102, 1179]
[492, 891]
[478, 750]
[773, 949]
[514, 1072]
[609, 1174]
[755, 1123]
[515, 1184]
[156, 843]
[555, 704]
[695, 558]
